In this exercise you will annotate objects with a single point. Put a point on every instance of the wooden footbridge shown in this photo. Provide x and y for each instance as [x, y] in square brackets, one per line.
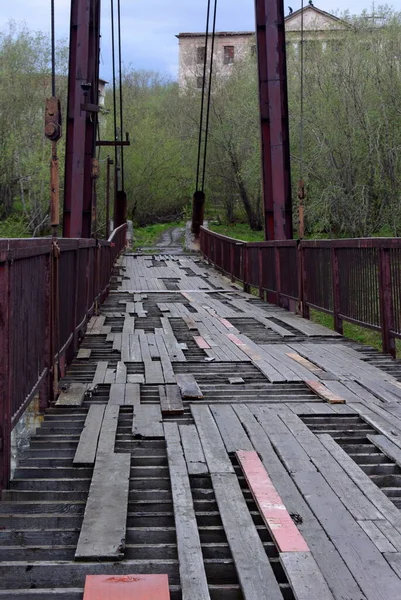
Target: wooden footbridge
[208, 445]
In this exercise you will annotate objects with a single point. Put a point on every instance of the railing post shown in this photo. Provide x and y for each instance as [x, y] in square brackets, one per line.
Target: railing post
[232, 258]
[245, 262]
[5, 375]
[46, 392]
[335, 272]
[260, 265]
[77, 273]
[278, 274]
[386, 302]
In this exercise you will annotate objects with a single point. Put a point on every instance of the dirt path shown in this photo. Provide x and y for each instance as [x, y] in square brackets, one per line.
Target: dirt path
[171, 238]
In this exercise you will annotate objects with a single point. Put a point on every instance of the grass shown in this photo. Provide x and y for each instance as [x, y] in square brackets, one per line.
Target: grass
[147, 237]
[353, 332]
[239, 231]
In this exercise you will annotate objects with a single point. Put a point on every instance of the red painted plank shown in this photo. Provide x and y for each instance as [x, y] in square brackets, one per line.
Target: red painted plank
[324, 393]
[234, 339]
[126, 587]
[226, 323]
[271, 507]
[201, 342]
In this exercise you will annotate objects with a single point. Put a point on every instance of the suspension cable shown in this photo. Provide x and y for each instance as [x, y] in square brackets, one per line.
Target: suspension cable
[209, 96]
[53, 48]
[121, 96]
[114, 99]
[203, 95]
[301, 127]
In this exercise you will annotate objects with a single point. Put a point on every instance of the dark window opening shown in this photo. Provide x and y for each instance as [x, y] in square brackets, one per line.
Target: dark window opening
[228, 55]
[200, 54]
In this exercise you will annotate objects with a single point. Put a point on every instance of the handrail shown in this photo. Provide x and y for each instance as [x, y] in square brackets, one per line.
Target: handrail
[355, 280]
[49, 288]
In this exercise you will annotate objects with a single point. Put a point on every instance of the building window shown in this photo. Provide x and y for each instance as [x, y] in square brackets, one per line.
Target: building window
[228, 55]
[200, 55]
[199, 82]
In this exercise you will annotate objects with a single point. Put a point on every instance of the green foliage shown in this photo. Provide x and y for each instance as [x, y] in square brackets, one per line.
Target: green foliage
[239, 231]
[24, 151]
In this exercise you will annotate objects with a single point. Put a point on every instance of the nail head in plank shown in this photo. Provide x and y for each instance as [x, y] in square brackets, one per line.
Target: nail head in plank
[216, 456]
[253, 568]
[74, 396]
[194, 584]
[271, 507]
[324, 393]
[188, 386]
[170, 400]
[126, 587]
[147, 422]
[103, 529]
[304, 576]
[194, 456]
[87, 445]
[231, 430]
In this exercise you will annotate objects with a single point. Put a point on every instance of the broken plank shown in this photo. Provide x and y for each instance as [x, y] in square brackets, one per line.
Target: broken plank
[87, 446]
[231, 430]
[126, 587]
[188, 386]
[194, 585]
[253, 568]
[117, 394]
[108, 431]
[100, 373]
[103, 529]
[132, 394]
[387, 447]
[194, 456]
[170, 400]
[121, 373]
[323, 392]
[147, 422]
[73, 396]
[84, 353]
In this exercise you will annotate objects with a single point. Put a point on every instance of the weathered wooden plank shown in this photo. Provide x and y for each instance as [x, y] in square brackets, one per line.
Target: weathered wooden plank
[73, 396]
[121, 373]
[103, 529]
[153, 372]
[194, 456]
[253, 568]
[231, 430]
[132, 394]
[384, 425]
[193, 580]
[391, 534]
[108, 431]
[321, 390]
[87, 446]
[147, 421]
[389, 449]
[126, 587]
[365, 484]
[304, 576]
[188, 386]
[376, 536]
[97, 324]
[201, 342]
[117, 394]
[129, 325]
[100, 373]
[170, 400]
[84, 353]
[110, 376]
[275, 515]
[373, 574]
[168, 371]
[215, 453]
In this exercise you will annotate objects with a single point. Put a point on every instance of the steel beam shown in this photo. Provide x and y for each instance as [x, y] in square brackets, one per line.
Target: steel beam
[273, 100]
[83, 89]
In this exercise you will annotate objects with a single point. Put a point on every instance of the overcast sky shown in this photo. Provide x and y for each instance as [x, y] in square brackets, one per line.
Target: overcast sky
[149, 26]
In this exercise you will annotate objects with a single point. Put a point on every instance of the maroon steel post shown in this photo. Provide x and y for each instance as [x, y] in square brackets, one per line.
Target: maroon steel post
[273, 101]
[386, 302]
[5, 397]
[83, 94]
[46, 388]
[335, 270]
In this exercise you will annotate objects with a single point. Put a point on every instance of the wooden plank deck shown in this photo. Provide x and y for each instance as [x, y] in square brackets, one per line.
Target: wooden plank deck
[219, 447]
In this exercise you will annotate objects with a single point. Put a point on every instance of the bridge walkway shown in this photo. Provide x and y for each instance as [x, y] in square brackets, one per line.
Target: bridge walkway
[202, 434]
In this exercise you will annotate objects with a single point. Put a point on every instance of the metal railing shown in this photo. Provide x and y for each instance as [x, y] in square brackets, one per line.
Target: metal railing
[49, 288]
[355, 280]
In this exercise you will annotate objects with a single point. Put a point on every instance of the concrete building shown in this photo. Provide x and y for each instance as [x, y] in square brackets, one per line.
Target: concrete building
[231, 46]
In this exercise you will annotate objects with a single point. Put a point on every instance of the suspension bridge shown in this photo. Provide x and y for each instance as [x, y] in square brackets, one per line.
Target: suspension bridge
[200, 437]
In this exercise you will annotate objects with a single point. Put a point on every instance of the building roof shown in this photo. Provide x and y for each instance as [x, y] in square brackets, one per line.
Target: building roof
[218, 34]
